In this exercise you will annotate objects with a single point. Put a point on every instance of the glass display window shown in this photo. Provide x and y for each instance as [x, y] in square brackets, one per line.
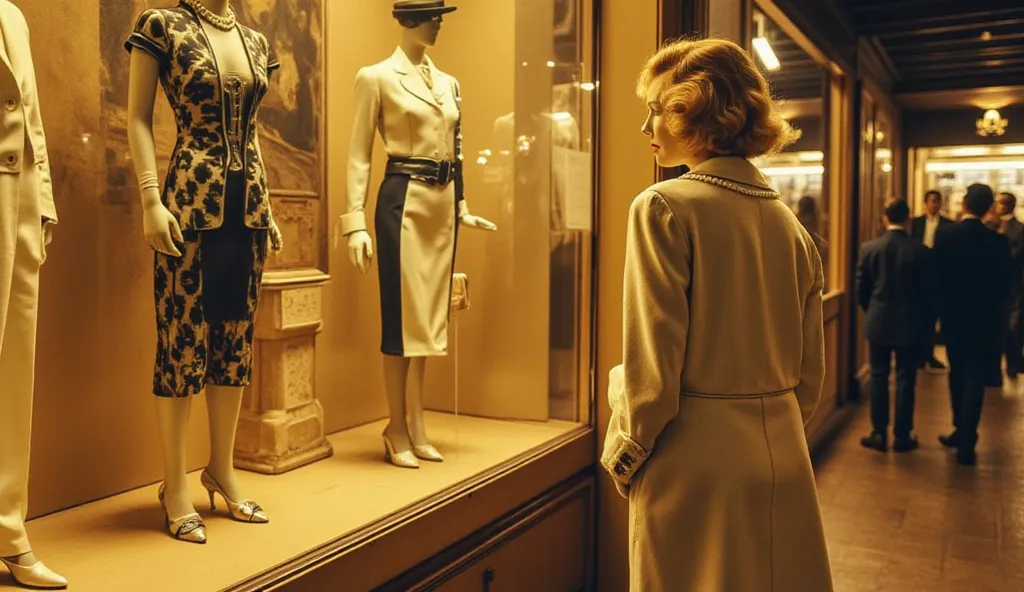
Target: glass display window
[801, 85]
[525, 110]
[434, 125]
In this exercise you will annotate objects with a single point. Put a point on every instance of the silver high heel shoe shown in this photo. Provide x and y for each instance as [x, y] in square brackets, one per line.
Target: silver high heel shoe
[189, 528]
[427, 452]
[36, 576]
[243, 511]
[405, 459]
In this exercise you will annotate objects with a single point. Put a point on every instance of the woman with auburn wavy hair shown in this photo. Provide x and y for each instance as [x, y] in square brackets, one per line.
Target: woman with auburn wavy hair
[723, 348]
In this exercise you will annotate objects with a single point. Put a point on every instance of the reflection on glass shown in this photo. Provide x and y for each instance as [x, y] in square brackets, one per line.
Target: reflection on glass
[799, 84]
[539, 157]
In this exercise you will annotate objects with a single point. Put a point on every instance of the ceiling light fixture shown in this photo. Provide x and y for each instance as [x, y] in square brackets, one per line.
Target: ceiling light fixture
[991, 124]
[762, 48]
[764, 51]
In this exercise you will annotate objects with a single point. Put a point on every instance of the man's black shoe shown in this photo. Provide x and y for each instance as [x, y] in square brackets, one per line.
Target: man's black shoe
[966, 457]
[950, 441]
[905, 444]
[875, 441]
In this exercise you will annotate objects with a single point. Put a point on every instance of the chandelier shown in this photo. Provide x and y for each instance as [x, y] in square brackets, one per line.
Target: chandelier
[991, 124]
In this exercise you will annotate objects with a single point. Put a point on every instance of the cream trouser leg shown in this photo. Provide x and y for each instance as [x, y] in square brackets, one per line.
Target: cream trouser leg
[20, 256]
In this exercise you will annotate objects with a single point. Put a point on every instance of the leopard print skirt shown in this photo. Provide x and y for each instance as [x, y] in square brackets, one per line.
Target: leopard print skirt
[206, 303]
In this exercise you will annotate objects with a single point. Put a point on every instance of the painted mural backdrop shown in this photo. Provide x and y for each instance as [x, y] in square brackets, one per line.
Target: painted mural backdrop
[291, 116]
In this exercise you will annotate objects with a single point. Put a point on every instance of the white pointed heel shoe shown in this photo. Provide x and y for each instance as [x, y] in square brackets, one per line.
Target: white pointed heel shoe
[189, 528]
[244, 511]
[427, 452]
[405, 459]
[36, 576]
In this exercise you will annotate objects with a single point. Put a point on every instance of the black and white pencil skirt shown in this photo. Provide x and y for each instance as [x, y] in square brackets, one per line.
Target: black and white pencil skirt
[416, 231]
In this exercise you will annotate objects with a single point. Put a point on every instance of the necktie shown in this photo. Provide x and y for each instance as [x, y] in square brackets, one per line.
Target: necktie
[425, 73]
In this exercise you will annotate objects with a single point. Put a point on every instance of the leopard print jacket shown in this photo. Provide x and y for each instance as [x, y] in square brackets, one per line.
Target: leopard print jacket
[194, 188]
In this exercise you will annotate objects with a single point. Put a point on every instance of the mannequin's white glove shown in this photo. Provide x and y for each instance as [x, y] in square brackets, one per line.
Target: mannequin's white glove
[161, 230]
[360, 250]
[477, 222]
[276, 241]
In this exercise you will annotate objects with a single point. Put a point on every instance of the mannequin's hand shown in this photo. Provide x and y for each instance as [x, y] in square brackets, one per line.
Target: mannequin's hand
[274, 238]
[360, 250]
[622, 489]
[477, 222]
[47, 238]
[161, 230]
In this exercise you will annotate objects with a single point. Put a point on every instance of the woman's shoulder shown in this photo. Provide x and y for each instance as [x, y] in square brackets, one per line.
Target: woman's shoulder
[675, 199]
[679, 195]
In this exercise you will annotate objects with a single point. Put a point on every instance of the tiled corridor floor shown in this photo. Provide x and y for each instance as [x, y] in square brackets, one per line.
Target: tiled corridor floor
[918, 522]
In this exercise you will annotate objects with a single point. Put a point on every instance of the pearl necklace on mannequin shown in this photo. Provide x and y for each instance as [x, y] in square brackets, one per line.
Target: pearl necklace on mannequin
[224, 23]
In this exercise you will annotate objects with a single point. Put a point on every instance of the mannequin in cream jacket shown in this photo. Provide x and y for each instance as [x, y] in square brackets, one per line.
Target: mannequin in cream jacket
[27, 215]
[416, 108]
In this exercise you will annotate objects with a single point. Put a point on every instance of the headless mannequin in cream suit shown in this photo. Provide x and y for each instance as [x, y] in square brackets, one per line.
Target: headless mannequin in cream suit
[26, 214]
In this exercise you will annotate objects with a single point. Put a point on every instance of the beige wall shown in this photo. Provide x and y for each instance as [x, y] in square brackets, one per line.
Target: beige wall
[629, 34]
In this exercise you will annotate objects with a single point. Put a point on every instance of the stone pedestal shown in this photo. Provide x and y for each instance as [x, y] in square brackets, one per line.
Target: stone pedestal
[281, 426]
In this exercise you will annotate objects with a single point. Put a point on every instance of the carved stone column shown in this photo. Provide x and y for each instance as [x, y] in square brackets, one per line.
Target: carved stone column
[282, 423]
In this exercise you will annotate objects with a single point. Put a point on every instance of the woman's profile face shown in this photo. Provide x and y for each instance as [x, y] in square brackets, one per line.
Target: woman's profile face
[668, 151]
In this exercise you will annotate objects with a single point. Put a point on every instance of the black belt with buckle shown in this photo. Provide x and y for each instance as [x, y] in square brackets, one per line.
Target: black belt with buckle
[425, 170]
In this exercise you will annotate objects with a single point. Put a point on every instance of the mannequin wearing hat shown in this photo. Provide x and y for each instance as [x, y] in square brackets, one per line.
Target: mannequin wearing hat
[416, 108]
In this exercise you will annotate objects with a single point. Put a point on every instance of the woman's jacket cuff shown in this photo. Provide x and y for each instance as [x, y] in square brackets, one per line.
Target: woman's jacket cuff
[623, 457]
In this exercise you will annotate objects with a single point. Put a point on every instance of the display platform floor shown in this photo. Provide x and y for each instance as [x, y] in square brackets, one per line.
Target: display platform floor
[119, 544]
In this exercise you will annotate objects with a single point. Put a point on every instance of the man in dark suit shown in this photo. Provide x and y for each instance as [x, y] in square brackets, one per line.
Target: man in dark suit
[895, 289]
[1013, 230]
[974, 269]
[924, 228]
